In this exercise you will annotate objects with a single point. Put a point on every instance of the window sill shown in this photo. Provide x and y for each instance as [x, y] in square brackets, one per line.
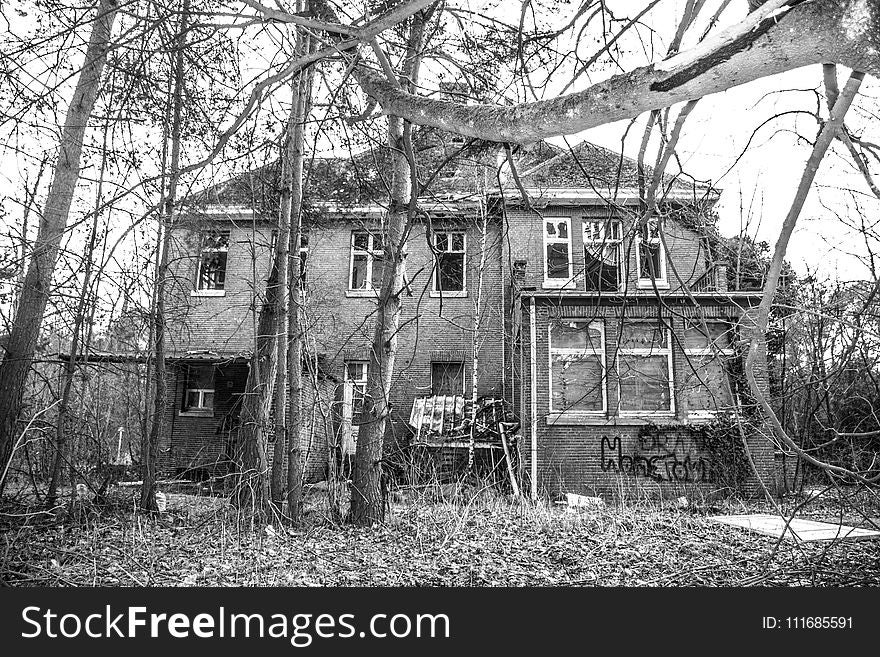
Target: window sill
[207, 293]
[206, 413]
[550, 284]
[646, 284]
[371, 293]
[460, 294]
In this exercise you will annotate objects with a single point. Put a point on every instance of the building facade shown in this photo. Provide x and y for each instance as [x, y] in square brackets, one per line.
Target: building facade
[614, 341]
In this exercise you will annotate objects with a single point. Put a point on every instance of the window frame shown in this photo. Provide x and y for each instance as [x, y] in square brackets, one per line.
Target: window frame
[667, 351]
[557, 283]
[711, 350]
[603, 243]
[350, 386]
[201, 409]
[198, 291]
[551, 351]
[662, 281]
[435, 291]
[370, 253]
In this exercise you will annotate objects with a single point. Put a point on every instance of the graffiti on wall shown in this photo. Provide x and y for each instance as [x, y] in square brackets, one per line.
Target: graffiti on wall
[657, 456]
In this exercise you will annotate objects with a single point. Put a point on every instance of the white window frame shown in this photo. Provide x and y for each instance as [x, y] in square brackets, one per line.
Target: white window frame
[557, 282]
[200, 409]
[551, 351]
[350, 385]
[596, 234]
[645, 282]
[210, 291]
[435, 291]
[667, 351]
[715, 352]
[370, 253]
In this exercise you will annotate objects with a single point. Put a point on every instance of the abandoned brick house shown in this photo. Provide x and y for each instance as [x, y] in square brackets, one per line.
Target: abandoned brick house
[604, 344]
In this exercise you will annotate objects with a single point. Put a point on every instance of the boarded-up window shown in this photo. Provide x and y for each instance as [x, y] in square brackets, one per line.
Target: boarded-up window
[644, 368]
[447, 378]
[199, 392]
[449, 269]
[577, 366]
[602, 241]
[705, 383]
[367, 257]
[557, 251]
[211, 267]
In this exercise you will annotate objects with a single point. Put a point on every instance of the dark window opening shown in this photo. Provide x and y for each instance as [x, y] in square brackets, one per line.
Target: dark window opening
[450, 262]
[211, 274]
[447, 379]
[199, 392]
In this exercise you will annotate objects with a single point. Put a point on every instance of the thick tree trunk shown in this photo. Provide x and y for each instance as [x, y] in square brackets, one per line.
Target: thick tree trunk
[38, 280]
[151, 442]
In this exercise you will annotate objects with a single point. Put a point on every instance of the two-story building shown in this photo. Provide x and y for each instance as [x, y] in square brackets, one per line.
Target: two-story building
[588, 327]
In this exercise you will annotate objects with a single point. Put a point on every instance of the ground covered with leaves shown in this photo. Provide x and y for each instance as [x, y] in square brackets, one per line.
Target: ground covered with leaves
[483, 541]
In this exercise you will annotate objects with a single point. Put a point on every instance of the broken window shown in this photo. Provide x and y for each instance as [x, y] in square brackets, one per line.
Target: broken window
[211, 267]
[303, 259]
[706, 386]
[651, 255]
[367, 257]
[577, 366]
[644, 368]
[199, 392]
[602, 241]
[447, 379]
[449, 264]
[557, 251]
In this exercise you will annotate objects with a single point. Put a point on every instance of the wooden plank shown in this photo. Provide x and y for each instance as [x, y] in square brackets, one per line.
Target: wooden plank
[799, 529]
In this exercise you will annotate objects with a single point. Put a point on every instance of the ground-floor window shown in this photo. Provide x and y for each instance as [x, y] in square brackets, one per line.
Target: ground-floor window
[705, 385]
[355, 389]
[577, 366]
[644, 368]
[199, 391]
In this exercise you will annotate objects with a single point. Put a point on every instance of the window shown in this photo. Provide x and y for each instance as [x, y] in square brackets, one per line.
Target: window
[449, 267]
[303, 259]
[199, 393]
[447, 379]
[211, 267]
[602, 241]
[706, 387]
[651, 255]
[557, 252]
[353, 400]
[367, 256]
[577, 366]
[644, 368]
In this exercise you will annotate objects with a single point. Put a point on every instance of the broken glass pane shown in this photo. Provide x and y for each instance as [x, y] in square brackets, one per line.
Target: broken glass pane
[450, 272]
[359, 272]
[644, 383]
[557, 261]
[705, 387]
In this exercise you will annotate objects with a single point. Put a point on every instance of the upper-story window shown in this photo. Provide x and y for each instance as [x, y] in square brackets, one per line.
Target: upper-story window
[198, 396]
[651, 255]
[706, 387]
[644, 368]
[449, 266]
[602, 240]
[211, 267]
[447, 378]
[577, 366]
[367, 258]
[557, 251]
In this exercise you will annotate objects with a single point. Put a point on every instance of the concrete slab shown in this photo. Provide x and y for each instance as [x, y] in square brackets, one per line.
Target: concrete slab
[798, 529]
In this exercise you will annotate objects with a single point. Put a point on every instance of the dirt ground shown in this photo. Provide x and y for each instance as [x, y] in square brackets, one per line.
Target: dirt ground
[484, 540]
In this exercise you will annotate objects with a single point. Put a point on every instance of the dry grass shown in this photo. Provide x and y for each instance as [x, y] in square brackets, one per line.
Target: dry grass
[480, 540]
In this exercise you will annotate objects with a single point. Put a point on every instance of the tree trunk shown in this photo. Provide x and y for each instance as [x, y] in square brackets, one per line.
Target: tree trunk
[53, 223]
[150, 448]
[367, 499]
[302, 100]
